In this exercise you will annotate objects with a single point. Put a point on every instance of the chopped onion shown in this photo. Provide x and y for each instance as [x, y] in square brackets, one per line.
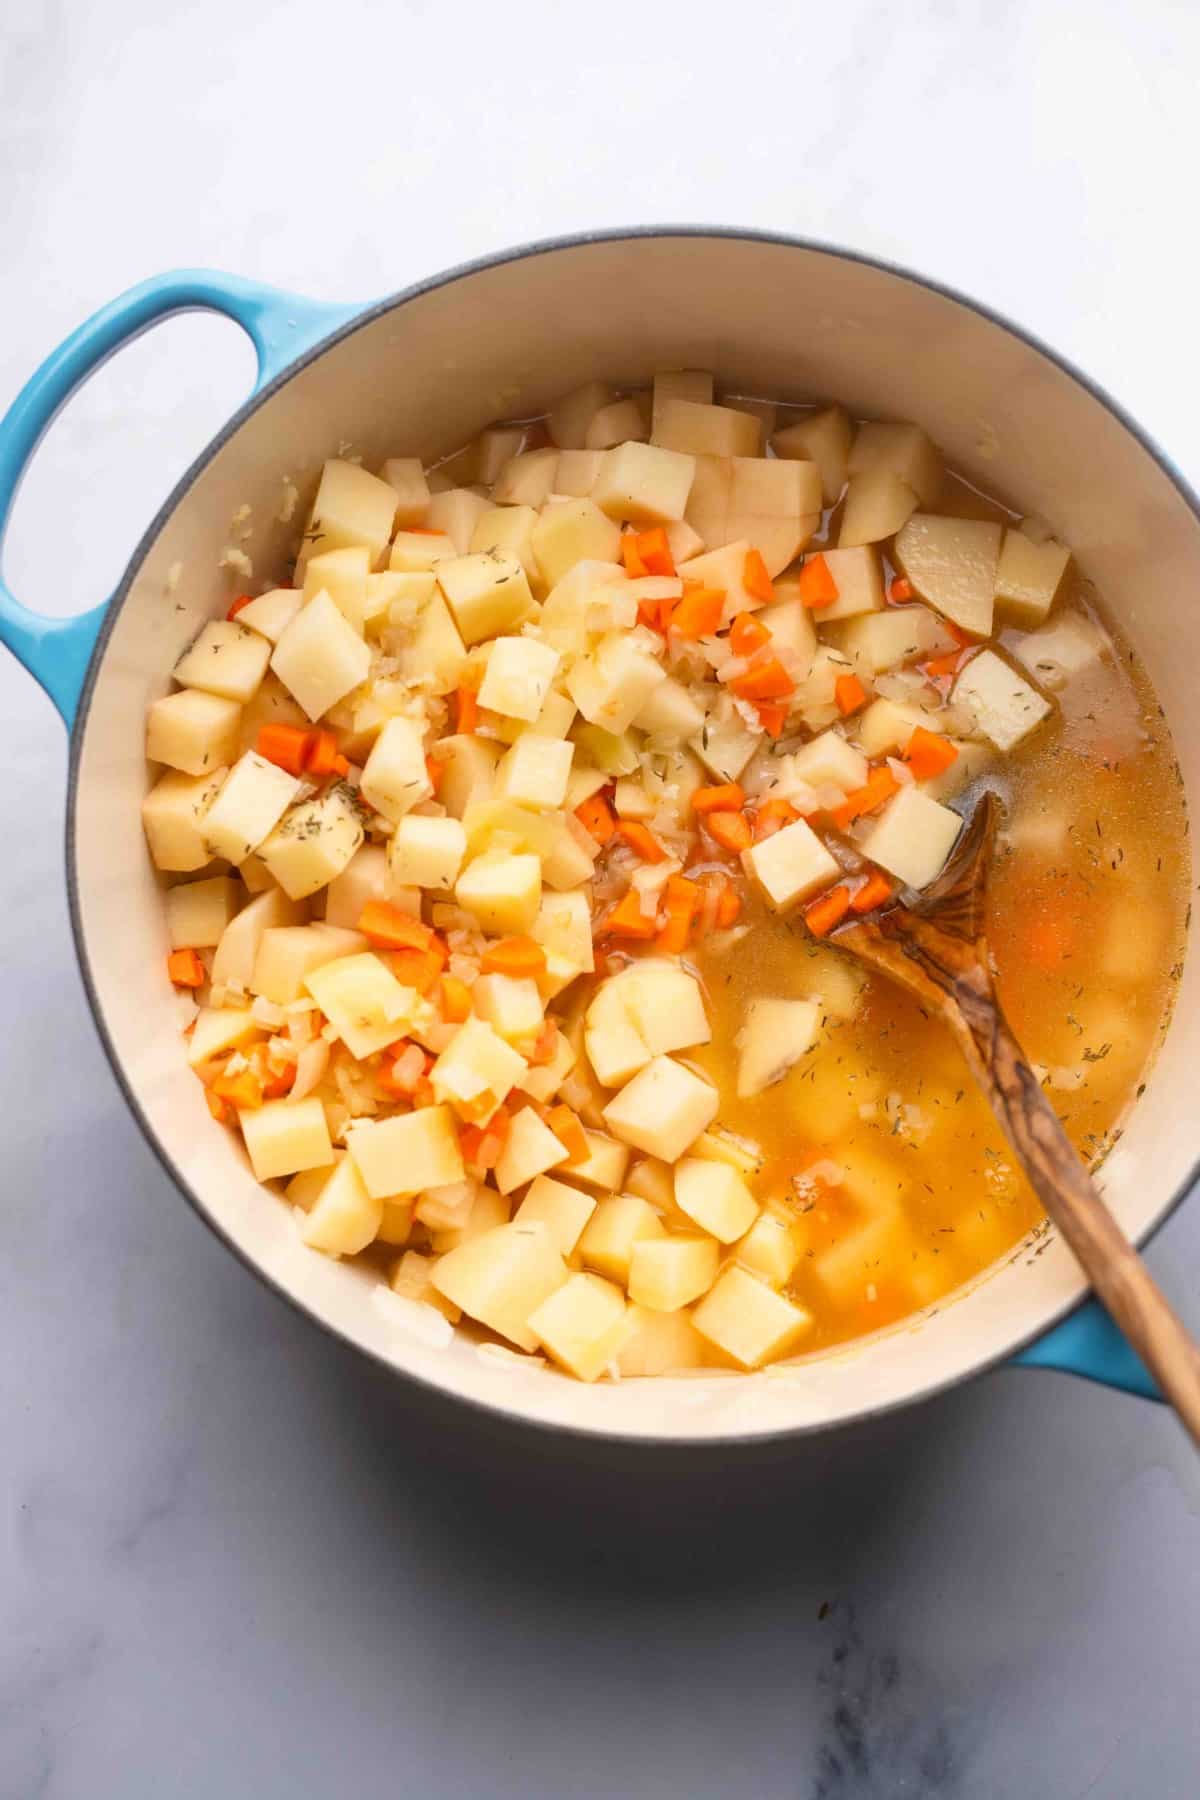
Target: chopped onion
[312, 1060]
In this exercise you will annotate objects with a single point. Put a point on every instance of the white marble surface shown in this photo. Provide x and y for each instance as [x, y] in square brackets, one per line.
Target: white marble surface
[234, 1561]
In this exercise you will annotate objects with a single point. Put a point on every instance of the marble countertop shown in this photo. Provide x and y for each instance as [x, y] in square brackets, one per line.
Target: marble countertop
[235, 1560]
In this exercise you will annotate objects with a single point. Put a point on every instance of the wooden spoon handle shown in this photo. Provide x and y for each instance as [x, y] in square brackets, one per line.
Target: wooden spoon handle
[1074, 1202]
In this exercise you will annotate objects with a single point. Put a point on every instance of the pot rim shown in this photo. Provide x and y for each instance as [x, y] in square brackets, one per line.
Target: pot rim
[368, 315]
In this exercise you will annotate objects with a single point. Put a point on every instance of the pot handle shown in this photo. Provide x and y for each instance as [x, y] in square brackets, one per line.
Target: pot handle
[281, 326]
[1089, 1344]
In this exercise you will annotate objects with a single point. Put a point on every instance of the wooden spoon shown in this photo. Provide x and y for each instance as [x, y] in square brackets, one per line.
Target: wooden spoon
[938, 950]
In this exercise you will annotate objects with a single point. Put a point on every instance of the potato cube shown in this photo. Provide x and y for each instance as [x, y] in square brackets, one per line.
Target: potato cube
[615, 1047]
[253, 798]
[407, 1153]
[646, 1010]
[313, 843]
[198, 912]
[776, 488]
[477, 1070]
[434, 654]
[518, 676]
[411, 1276]
[619, 1223]
[748, 1320]
[670, 1272]
[342, 574]
[582, 1326]
[972, 759]
[663, 1109]
[501, 890]
[619, 422]
[529, 1149]
[563, 1210]
[284, 1136]
[288, 953]
[644, 483]
[604, 1167]
[365, 1004]
[419, 552]
[543, 1080]
[173, 817]
[406, 478]
[876, 505]
[497, 824]
[351, 507]
[528, 479]
[695, 385]
[487, 593]
[659, 1343]
[426, 852]
[227, 659]
[1028, 577]
[912, 837]
[669, 714]
[564, 925]
[468, 767]
[715, 1197]
[194, 731]
[320, 656]
[272, 613]
[217, 1029]
[1005, 706]
[395, 778]
[823, 438]
[569, 419]
[345, 1218]
[902, 449]
[886, 726]
[791, 865]
[777, 1033]
[488, 1209]
[508, 530]
[611, 686]
[457, 512]
[700, 430]
[771, 1248]
[890, 639]
[495, 446]
[952, 563]
[723, 1146]
[238, 949]
[503, 1276]
[534, 772]
[725, 569]
[859, 578]
[577, 472]
[570, 532]
[364, 878]
[510, 1004]
[830, 760]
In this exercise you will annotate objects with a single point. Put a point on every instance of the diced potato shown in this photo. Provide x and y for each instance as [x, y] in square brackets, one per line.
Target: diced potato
[313, 843]
[351, 507]
[663, 1109]
[670, 714]
[510, 1004]
[669, 1272]
[495, 446]
[715, 1197]
[876, 505]
[765, 411]
[487, 593]
[619, 1223]
[904, 450]
[619, 422]
[748, 1320]
[912, 837]
[174, 816]
[529, 1149]
[695, 385]
[198, 912]
[555, 720]
[284, 1136]
[518, 676]
[887, 725]
[320, 656]
[542, 1081]
[603, 1169]
[830, 759]
[395, 778]
[405, 476]
[528, 479]
[426, 852]
[534, 772]
[631, 800]
[509, 530]
[790, 865]
[411, 1277]
[502, 890]
[569, 420]
[345, 1218]
[488, 1209]
[823, 438]
[707, 514]
[611, 686]
[659, 1343]
[792, 628]
[477, 1070]
[859, 579]
[643, 483]
[365, 1004]
[217, 1029]
[407, 1153]
[613, 753]
[701, 430]
[457, 512]
[582, 1326]
[1028, 577]
[653, 1181]
[238, 948]
[771, 1248]
[1005, 706]
[253, 798]
[564, 925]
[890, 639]
[563, 1210]
[272, 613]
[468, 768]
[724, 1146]
[571, 532]
[503, 1276]
[1062, 649]
[777, 1033]
[726, 569]
[287, 954]
[952, 564]
[364, 878]
[723, 743]
[417, 552]
[846, 1267]
[342, 574]
[193, 730]
[763, 490]
[227, 659]
[646, 1010]
[577, 472]
[972, 759]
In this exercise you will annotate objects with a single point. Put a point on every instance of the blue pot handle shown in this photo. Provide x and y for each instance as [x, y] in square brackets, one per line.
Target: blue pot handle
[1089, 1344]
[280, 326]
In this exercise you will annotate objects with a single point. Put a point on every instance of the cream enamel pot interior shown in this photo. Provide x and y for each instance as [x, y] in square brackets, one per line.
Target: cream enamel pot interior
[420, 373]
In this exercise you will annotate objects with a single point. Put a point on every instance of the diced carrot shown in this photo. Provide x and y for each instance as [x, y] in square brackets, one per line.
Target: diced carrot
[545, 1044]
[849, 693]
[237, 605]
[216, 1106]
[321, 756]
[730, 829]
[816, 585]
[185, 968]
[275, 1083]
[728, 797]
[284, 745]
[455, 1000]
[242, 1090]
[515, 956]
[482, 1145]
[390, 929]
[875, 891]
[928, 753]
[626, 919]
[879, 787]
[699, 613]
[755, 579]
[942, 666]
[466, 709]
[656, 614]
[828, 911]
[596, 817]
[650, 549]
[641, 840]
[436, 772]
[770, 681]
[570, 1133]
[729, 906]
[404, 1067]
[772, 716]
[682, 899]
[631, 556]
[962, 638]
[420, 969]
[747, 634]
[900, 590]
[423, 1094]
[771, 817]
